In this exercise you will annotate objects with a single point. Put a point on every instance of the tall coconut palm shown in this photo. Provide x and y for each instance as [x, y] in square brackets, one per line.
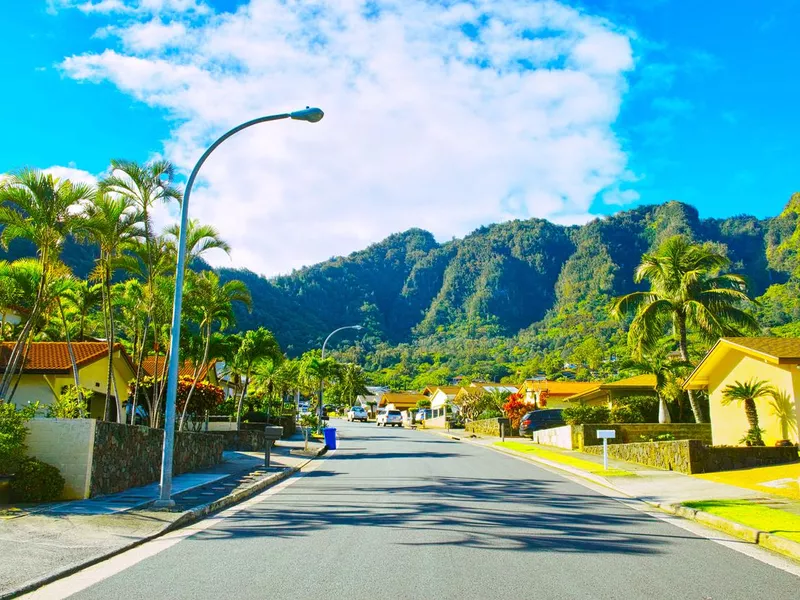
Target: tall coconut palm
[40, 208]
[113, 224]
[747, 393]
[211, 304]
[145, 186]
[686, 291]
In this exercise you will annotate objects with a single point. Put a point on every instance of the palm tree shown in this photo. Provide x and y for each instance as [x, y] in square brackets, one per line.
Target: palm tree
[113, 223]
[40, 208]
[257, 345]
[747, 393]
[659, 363]
[352, 382]
[145, 186]
[268, 378]
[686, 291]
[211, 303]
[200, 239]
[83, 297]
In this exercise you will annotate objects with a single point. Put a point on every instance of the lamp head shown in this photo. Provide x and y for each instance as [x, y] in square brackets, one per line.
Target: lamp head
[357, 327]
[312, 115]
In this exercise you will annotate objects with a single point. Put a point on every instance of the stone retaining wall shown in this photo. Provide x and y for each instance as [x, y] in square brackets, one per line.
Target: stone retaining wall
[631, 433]
[490, 427]
[126, 456]
[692, 456]
[248, 441]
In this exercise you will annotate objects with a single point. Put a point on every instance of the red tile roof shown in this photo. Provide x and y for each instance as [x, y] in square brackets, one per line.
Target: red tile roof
[186, 369]
[53, 357]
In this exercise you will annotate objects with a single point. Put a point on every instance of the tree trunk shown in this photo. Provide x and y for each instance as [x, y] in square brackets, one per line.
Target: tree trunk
[663, 410]
[19, 377]
[197, 371]
[75, 375]
[697, 411]
[750, 411]
[111, 379]
[241, 401]
[139, 371]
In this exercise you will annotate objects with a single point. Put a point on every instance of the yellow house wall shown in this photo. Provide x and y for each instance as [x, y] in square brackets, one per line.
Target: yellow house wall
[33, 388]
[728, 423]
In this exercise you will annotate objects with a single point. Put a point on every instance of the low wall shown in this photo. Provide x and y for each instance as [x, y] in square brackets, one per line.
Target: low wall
[437, 423]
[126, 456]
[67, 445]
[97, 457]
[692, 456]
[249, 441]
[631, 433]
[560, 437]
[490, 427]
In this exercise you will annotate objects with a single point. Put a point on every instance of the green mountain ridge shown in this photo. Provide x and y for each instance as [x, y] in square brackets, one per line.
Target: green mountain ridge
[542, 284]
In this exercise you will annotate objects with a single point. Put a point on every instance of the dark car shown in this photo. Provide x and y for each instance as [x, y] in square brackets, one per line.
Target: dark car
[540, 419]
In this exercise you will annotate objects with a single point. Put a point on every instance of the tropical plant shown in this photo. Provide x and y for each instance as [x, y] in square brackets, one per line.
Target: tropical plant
[582, 414]
[784, 411]
[40, 208]
[70, 404]
[686, 292]
[200, 239]
[211, 304]
[747, 393]
[12, 435]
[308, 421]
[257, 345]
[352, 382]
[36, 481]
[112, 223]
[83, 297]
[514, 409]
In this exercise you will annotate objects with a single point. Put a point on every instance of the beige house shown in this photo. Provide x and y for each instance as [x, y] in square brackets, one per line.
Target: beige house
[48, 371]
[742, 359]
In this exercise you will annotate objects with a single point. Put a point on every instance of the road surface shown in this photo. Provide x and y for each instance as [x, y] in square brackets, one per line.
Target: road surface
[410, 514]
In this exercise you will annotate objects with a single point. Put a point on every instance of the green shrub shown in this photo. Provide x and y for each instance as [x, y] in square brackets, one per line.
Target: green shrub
[491, 413]
[70, 404]
[36, 481]
[626, 414]
[12, 435]
[583, 414]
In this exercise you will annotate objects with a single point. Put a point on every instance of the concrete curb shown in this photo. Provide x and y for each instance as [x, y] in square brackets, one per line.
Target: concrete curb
[186, 518]
[778, 544]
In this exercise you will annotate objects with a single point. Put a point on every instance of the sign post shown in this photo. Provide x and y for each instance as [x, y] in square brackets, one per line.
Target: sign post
[605, 435]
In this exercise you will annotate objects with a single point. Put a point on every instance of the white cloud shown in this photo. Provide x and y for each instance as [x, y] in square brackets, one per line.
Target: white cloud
[441, 117]
[71, 173]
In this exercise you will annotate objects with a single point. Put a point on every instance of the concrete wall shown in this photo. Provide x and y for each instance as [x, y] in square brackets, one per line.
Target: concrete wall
[67, 445]
[437, 423]
[560, 437]
[728, 423]
[490, 427]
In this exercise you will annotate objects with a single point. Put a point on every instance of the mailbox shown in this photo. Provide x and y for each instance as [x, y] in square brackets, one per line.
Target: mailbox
[272, 433]
[606, 434]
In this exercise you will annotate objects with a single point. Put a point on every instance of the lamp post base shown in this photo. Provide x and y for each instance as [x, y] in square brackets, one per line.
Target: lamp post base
[169, 503]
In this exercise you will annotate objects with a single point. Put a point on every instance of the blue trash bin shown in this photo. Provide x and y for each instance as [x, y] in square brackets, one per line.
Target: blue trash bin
[330, 437]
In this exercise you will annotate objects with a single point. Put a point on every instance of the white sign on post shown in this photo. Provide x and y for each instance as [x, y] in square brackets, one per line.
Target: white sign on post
[605, 435]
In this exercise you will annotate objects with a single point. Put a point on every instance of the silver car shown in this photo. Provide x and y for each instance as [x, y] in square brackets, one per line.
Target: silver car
[390, 417]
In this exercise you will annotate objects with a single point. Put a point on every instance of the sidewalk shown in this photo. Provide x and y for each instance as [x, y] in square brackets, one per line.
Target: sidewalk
[48, 542]
[762, 518]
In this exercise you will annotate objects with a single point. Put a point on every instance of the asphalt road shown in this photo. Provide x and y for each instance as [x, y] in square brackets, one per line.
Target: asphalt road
[408, 514]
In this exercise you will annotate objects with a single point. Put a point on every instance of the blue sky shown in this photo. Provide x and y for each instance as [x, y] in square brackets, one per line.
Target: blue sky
[707, 112]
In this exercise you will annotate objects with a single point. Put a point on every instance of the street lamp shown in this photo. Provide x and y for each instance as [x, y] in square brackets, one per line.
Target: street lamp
[311, 115]
[321, 380]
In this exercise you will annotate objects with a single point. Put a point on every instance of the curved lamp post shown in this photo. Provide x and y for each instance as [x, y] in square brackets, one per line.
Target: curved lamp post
[321, 381]
[312, 115]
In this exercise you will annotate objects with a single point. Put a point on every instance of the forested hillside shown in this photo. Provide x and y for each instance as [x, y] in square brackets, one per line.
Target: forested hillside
[526, 294]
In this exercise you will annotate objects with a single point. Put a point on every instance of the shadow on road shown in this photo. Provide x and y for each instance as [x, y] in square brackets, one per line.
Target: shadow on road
[508, 514]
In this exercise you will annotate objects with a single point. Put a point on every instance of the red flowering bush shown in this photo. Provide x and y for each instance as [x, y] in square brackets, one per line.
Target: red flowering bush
[543, 398]
[205, 397]
[515, 409]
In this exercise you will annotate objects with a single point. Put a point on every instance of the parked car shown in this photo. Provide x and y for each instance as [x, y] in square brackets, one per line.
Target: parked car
[390, 417]
[357, 413]
[540, 419]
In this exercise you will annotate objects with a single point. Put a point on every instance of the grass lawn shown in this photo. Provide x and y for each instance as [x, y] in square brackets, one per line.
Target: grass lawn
[780, 480]
[767, 519]
[557, 457]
